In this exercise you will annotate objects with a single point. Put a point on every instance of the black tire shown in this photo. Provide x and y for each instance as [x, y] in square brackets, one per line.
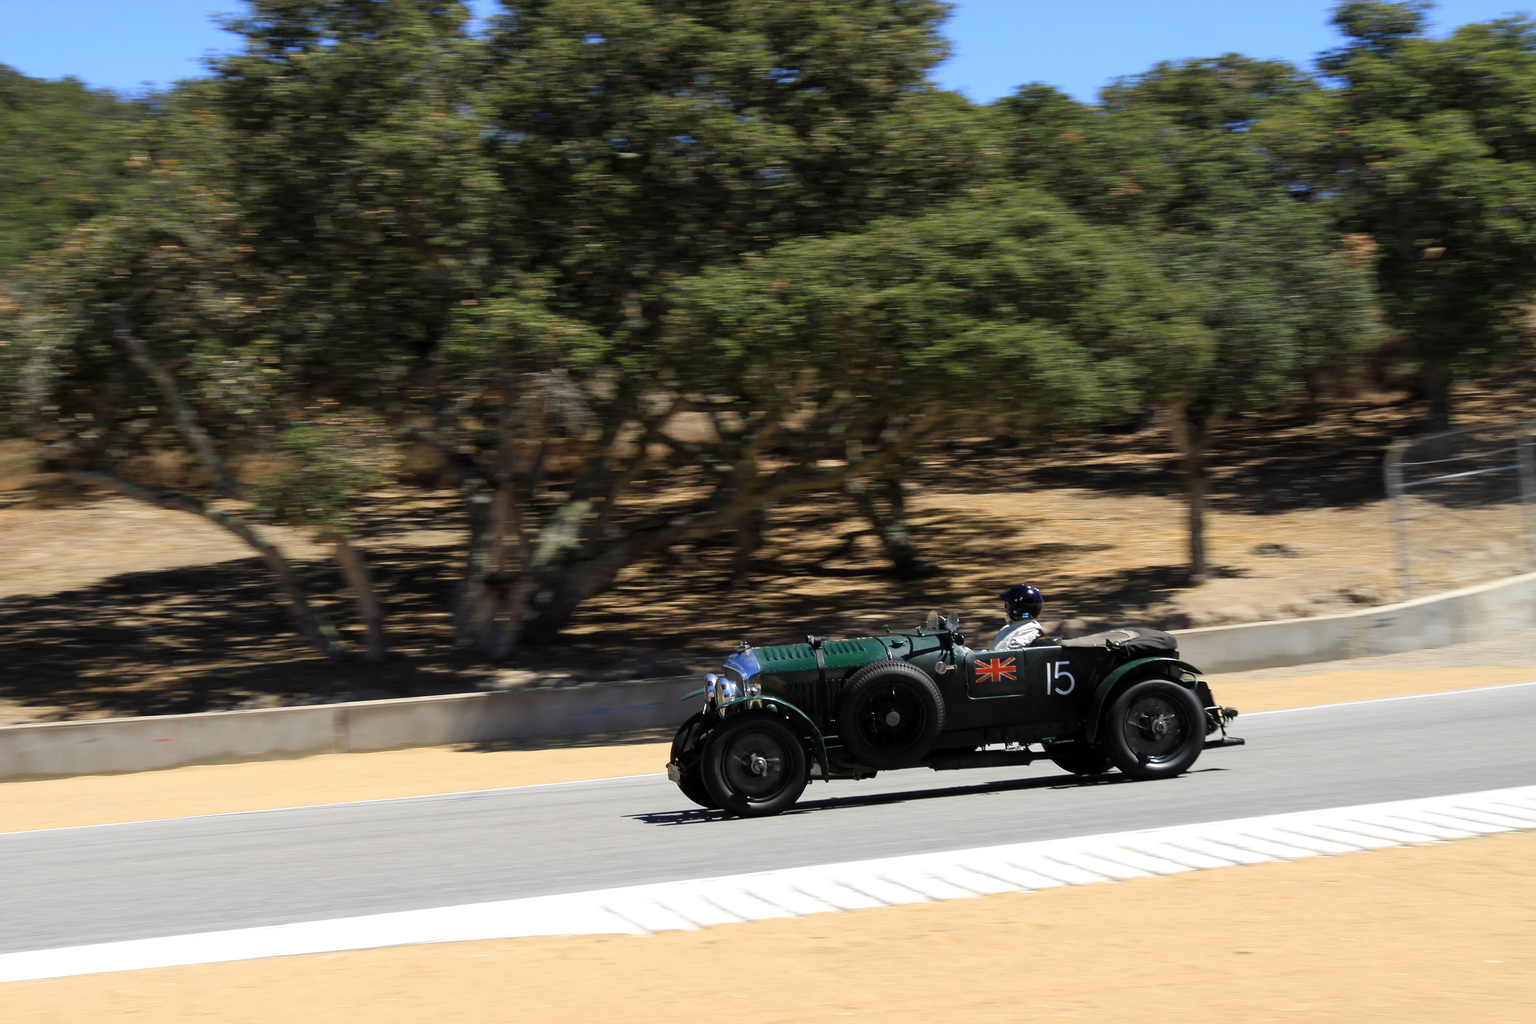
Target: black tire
[685, 756]
[889, 714]
[1080, 758]
[754, 765]
[1154, 730]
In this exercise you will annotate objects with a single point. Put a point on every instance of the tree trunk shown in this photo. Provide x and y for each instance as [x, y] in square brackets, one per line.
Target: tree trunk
[197, 438]
[578, 553]
[749, 538]
[889, 522]
[561, 574]
[1191, 432]
[1437, 379]
[311, 622]
[486, 612]
[354, 569]
[1313, 383]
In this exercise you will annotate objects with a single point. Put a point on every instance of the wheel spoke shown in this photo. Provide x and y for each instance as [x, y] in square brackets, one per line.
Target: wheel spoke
[892, 716]
[1154, 729]
[755, 764]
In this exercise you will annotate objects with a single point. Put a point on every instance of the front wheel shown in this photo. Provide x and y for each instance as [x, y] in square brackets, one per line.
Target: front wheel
[754, 765]
[690, 779]
[1154, 730]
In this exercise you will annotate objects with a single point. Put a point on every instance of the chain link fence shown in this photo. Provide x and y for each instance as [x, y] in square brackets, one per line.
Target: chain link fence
[1463, 506]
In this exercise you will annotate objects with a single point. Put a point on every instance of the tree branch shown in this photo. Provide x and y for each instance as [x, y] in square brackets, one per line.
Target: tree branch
[311, 623]
[471, 476]
[186, 419]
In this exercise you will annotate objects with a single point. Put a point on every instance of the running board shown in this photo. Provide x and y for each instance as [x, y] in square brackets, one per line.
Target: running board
[946, 761]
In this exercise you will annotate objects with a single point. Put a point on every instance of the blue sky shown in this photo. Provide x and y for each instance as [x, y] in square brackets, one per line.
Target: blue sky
[1075, 45]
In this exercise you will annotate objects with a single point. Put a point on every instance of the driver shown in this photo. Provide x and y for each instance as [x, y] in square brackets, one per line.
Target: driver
[1022, 604]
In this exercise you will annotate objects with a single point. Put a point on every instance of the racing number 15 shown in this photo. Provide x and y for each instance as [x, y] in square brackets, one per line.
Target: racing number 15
[1055, 673]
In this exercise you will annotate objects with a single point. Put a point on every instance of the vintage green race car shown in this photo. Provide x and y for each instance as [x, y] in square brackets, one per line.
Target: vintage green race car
[845, 709]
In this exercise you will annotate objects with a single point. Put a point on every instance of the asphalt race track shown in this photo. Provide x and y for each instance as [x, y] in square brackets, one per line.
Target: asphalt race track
[103, 883]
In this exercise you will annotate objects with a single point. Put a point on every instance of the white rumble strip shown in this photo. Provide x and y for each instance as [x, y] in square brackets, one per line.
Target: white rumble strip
[854, 885]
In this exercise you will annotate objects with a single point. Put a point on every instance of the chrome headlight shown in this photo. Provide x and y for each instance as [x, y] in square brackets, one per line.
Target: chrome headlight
[726, 690]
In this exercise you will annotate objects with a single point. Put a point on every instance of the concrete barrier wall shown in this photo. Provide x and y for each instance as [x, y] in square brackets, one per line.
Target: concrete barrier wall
[108, 745]
[1461, 616]
[519, 715]
[139, 744]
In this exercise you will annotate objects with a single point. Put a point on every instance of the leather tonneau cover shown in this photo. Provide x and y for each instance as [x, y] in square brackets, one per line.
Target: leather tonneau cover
[1134, 641]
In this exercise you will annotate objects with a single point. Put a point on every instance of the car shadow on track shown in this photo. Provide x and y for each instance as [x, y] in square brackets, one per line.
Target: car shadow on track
[699, 815]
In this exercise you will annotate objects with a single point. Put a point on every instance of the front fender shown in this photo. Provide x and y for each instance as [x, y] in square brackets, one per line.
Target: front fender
[794, 714]
[1111, 682]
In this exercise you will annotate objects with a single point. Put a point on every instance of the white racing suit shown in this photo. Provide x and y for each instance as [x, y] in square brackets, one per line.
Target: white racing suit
[1016, 635]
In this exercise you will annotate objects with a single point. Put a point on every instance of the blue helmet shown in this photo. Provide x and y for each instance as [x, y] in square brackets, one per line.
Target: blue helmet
[1023, 600]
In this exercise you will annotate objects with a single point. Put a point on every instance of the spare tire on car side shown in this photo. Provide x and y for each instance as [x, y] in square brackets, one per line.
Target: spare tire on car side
[889, 714]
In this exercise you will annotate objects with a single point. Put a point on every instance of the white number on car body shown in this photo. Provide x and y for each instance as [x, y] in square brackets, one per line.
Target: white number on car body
[1055, 672]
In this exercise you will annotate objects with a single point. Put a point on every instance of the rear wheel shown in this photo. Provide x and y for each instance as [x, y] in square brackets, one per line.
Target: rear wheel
[1154, 730]
[889, 714]
[754, 765]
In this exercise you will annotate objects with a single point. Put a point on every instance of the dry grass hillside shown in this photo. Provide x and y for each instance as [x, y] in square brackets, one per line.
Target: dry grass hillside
[113, 608]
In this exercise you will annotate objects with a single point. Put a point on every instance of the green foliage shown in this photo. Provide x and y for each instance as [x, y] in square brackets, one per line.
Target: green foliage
[1187, 155]
[1429, 146]
[599, 213]
[1375, 28]
[60, 159]
[1002, 303]
[519, 331]
[164, 267]
[1280, 298]
[356, 155]
[323, 466]
[1162, 150]
[1230, 93]
[641, 139]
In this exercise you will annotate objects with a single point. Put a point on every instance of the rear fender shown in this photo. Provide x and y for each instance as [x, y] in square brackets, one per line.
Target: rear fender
[1119, 679]
[792, 715]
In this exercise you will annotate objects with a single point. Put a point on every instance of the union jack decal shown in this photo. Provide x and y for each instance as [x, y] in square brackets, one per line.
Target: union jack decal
[995, 670]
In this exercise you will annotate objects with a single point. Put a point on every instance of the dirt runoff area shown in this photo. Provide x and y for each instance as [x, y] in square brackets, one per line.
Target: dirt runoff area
[1441, 932]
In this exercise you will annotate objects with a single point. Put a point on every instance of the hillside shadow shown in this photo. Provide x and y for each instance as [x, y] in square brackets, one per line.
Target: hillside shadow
[206, 637]
[211, 637]
[1256, 465]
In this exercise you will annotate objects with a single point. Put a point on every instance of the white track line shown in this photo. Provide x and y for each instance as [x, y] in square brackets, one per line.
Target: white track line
[796, 892]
